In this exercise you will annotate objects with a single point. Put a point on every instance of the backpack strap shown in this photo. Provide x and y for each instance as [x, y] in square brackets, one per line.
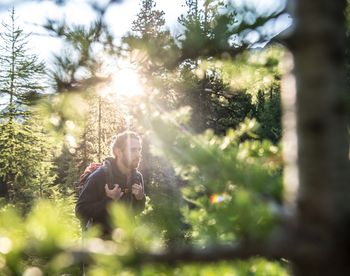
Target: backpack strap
[107, 167]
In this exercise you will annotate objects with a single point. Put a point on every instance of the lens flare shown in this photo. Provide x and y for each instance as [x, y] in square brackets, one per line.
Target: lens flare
[125, 81]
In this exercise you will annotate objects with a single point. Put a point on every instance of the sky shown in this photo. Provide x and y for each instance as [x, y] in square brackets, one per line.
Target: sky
[32, 14]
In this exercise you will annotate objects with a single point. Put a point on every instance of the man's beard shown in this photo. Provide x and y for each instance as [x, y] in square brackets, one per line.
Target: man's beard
[131, 164]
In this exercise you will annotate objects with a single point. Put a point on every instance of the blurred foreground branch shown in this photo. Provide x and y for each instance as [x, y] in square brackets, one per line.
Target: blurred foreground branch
[280, 247]
[215, 253]
[193, 255]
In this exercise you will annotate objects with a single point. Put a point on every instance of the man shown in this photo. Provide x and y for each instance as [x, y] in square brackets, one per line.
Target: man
[127, 183]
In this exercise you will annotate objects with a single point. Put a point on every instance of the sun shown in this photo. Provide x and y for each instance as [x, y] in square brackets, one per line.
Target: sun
[124, 78]
[126, 81]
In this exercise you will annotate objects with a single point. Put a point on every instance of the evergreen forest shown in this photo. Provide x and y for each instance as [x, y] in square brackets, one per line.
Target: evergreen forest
[245, 139]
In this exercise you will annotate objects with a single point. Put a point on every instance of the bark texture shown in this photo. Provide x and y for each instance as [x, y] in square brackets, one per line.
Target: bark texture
[323, 198]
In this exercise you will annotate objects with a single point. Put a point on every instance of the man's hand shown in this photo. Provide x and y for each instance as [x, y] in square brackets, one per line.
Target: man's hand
[137, 191]
[115, 193]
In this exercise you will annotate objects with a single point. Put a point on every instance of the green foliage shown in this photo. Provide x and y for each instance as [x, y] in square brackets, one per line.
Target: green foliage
[256, 267]
[62, 115]
[76, 66]
[163, 212]
[46, 239]
[65, 177]
[33, 242]
[26, 166]
[150, 39]
[222, 93]
[252, 70]
[214, 105]
[245, 176]
[220, 29]
[268, 114]
[206, 29]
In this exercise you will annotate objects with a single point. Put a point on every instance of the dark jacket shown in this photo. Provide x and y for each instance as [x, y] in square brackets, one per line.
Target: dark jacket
[92, 203]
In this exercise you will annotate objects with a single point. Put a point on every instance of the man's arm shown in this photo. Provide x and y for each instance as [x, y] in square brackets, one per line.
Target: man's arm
[93, 201]
[139, 195]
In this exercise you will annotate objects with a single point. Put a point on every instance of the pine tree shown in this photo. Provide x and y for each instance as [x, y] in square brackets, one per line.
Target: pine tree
[206, 30]
[104, 120]
[150, 35]
[25, 163]
[21, 72]
[150, 22]
[268, 114]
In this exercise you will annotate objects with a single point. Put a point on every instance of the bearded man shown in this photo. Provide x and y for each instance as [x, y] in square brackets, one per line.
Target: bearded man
[121, 182]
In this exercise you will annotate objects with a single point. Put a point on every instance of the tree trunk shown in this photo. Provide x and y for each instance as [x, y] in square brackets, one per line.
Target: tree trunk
[323, 163]
[4, 192]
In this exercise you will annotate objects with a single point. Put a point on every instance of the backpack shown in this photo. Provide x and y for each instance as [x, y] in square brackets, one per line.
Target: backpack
[106, 166]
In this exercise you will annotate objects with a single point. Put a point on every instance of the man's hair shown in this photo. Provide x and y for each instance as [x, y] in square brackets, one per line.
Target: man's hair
[119, 141]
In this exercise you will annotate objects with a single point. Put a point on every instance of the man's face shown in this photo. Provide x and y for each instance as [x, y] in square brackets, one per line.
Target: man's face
[131, 154]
